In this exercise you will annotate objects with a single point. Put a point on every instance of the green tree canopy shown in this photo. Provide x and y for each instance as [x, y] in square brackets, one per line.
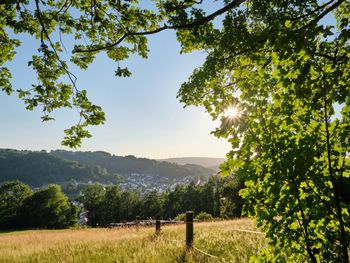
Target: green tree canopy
[12, 196]
[283, 68]
[48, 208]
[92, 198]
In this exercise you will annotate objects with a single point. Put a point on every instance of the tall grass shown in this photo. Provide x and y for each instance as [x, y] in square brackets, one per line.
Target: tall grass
[219, 239]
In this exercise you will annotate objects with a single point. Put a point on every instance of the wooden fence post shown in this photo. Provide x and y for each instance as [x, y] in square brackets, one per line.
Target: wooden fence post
[137, 221]
[189, 229]
[157, 225]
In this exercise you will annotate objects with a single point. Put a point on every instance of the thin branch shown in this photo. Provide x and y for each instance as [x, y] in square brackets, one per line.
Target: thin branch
[249, 48]
[312, 12]
[343, 240]
[320, 16]
[63, 6]
[61, 41]
[70, 75]
[304, 224]
[195, 23]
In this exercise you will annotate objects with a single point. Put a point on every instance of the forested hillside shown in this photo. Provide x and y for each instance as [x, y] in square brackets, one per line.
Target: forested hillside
[131, 164]
[71, 169]
[40, 168]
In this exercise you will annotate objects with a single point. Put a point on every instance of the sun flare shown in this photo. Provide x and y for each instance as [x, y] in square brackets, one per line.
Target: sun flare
[231, 112]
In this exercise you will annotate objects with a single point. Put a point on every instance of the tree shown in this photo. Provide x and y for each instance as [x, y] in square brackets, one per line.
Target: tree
[152, 205]
[282, 67]
[173, 202]
[112, 205]
[12, 196]
[231, 202]
[92, 197]
[48, 208]
[210, 196]
[130, 205]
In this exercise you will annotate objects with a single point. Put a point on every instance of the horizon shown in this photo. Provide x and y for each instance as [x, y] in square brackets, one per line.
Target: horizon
[114, 154]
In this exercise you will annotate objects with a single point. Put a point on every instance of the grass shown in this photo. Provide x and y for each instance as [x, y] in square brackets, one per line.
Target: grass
[219, 239]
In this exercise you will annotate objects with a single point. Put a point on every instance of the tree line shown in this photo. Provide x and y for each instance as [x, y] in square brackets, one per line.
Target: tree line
[21, 207]
[218, 197]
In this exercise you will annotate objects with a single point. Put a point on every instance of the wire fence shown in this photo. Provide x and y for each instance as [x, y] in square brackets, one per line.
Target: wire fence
[189, 231]
[205, 253]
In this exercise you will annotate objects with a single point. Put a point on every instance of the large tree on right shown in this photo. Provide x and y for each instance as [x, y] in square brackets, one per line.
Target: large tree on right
[277, 74]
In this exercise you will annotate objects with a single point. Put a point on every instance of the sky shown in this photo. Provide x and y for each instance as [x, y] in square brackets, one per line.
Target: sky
[144, 118]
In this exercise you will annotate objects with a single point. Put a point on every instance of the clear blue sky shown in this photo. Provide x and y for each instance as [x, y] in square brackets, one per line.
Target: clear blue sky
[144, 118]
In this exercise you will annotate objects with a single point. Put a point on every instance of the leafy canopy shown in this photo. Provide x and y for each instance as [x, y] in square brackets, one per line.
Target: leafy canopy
[283, 64]
[12, 196]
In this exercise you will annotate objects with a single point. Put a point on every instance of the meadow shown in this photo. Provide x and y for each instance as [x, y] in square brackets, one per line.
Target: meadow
[220, 240]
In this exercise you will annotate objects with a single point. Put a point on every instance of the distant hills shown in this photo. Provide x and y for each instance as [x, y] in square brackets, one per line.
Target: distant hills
[208, 162]
[39, 168]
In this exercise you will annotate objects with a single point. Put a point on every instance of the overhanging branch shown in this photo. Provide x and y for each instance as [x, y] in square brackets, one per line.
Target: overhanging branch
[195, 23]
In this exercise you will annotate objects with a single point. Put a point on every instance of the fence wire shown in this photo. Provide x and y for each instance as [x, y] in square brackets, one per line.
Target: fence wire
[208, 254]
[205, 253]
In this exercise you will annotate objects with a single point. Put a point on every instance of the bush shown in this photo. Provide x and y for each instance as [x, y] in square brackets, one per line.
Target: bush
[181, 217]
[203, 216]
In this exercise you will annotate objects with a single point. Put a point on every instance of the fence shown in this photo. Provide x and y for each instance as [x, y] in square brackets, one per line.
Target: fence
[148, 222]
[189, 229]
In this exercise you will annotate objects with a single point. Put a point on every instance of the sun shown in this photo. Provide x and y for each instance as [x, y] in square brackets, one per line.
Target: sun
[231, 113]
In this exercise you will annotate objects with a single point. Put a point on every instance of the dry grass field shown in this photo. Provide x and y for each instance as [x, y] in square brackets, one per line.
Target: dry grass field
[219, 239]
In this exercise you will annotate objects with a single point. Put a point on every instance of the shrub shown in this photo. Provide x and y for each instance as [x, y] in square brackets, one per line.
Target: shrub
[181, 217]
[203, 216]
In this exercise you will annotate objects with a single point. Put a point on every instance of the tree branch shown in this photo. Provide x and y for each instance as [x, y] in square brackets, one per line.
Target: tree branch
[310, 13]
[195, 23]
[344, 244]
[320, 16]
[70, 75]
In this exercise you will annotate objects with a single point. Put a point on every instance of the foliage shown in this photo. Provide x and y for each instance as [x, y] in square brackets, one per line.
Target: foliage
[231, 203]
[203, 216]
[47, 208]
[92, 197]
[152, 205]
[110, 204]
[284, 66]
[12, 196]
[181, 217]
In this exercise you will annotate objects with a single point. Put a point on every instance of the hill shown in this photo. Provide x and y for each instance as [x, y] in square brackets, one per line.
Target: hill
[131, 164]
[208, 162]
[39, 168]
